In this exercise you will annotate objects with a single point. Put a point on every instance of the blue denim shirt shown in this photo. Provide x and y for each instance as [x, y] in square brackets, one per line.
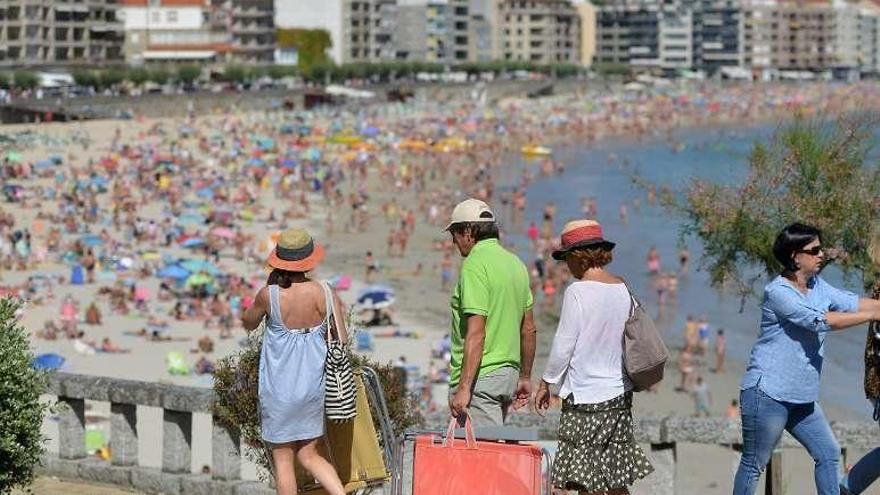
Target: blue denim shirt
[786, 361]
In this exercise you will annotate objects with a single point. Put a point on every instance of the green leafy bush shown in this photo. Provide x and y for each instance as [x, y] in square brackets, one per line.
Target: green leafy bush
[159, 76]
[138, 75]
[25, 79]
[187, 74]
[810, 171]
[21, 412]
[5, 80]
[84, 78]
[237, 406]
[235, 74]
[110, 77]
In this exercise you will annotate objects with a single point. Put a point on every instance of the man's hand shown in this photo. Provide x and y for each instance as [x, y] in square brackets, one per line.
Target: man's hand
[459, 402]
[523, 393]
[542, 398]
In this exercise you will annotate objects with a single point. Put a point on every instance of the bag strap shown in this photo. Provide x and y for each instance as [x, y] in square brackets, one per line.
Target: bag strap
[329, 307]
[633, 301]
[470, 438]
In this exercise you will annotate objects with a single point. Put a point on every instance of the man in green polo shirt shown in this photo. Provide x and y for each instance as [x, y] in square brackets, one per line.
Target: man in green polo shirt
[493, 331]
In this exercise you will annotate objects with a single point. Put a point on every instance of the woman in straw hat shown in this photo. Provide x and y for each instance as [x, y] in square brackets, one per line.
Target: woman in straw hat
[597, 450]
[298, 313]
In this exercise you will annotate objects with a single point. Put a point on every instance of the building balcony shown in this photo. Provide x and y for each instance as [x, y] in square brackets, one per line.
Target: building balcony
[252, 29]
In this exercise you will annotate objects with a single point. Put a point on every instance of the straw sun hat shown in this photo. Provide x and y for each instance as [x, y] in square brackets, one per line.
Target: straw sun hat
[581, 234]
[296, 251]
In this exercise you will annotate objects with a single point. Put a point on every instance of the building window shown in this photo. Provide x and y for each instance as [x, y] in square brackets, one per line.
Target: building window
[171, 16]
[154, 18]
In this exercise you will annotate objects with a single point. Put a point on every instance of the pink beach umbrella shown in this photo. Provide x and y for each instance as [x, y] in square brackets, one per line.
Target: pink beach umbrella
[224, 232]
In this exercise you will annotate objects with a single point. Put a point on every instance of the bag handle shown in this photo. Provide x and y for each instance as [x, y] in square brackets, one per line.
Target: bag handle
[330, 307]
[633, 301]
[469, 437]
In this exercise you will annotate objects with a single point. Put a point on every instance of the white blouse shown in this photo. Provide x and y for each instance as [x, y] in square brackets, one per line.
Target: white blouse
[587, 353]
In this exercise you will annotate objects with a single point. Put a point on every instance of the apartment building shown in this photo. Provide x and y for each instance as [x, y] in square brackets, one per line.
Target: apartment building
[629, 33]
[174, 31]
[869, 38]
[538, 31]
[423, 31]
[718, 34]
[251, 28]
[60, 32]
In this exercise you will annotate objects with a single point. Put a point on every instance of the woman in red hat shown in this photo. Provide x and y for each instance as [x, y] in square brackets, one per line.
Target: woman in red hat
[597, 451]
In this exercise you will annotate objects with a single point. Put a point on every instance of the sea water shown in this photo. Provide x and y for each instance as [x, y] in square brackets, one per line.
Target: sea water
[606, 172]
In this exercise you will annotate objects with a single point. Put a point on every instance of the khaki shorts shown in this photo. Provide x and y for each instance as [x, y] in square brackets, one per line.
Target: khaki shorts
[492, 396]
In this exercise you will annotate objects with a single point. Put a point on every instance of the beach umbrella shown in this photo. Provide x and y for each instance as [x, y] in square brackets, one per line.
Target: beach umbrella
[376, 297]
[256, 162]
[91, 240]
[195, 266]
[193, 242]
[44, 164]
[151, 256]
[205, 192]
[266, 143]
[224, 232]
[175, 272]
[288, 163]
[191, 218]
[370, 131]
[197, 279]
[48, 361]
[340, 282]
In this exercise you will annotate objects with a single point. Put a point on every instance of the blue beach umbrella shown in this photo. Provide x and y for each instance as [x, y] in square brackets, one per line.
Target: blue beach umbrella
[256, 162]
[49, 361]
[192, 219]
[193, 242]
[288, 163]
[200, 266]
[91, 240]
[175, 272]
[376, 297]
[44, 164]
[205, 192]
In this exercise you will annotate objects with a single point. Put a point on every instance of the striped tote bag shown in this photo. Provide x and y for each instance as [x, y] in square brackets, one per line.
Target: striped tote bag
[340, 391]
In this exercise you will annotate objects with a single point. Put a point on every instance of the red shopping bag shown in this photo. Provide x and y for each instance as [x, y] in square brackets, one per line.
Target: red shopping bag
[456, 467]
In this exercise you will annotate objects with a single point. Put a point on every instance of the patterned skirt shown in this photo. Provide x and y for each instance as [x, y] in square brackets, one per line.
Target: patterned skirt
[597, 451]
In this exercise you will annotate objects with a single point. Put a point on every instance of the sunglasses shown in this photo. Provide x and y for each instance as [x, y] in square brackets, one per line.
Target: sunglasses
[814, 251]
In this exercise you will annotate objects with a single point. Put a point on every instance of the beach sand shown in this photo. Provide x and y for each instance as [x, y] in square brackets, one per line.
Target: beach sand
[422, 308]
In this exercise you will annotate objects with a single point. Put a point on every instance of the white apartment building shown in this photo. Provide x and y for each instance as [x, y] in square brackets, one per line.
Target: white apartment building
[170, 30]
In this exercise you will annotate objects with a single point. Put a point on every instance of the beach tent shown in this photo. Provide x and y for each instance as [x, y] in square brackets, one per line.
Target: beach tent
[48, 361]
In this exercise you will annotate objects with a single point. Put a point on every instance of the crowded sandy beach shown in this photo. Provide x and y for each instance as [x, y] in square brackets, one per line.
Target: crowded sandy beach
[137, 244]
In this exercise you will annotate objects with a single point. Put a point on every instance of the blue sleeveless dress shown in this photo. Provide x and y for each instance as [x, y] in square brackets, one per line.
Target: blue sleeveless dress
[292, 377]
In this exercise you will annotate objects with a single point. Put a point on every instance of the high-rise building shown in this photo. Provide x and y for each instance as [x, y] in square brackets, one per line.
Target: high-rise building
[628, 32]
[172, 30]
[60, 32]
[423, 31]
[251, 27]
[538, 31]
[718, 34]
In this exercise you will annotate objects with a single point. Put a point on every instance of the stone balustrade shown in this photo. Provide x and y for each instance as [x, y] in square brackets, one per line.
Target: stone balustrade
[179, 403]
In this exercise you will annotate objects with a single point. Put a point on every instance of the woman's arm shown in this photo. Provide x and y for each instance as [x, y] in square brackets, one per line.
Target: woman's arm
[866, 304]
[570, 320]
[252, 316]
[839, 321]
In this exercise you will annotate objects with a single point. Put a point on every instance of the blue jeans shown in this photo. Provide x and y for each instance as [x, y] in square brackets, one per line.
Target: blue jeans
[763, 421]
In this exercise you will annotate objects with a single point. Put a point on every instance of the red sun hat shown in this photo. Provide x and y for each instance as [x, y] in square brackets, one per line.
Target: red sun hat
[581, 234]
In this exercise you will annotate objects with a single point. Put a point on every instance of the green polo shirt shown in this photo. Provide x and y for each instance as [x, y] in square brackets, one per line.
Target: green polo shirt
[493, 283]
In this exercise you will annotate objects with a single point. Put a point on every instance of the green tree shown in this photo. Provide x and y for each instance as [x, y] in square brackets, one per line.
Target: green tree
[25, 79]
[21, 412]
[138, 76]
[188, 74]
[84, 77]
[235, 74]
[159, 76]
[281, 71]
[110, 77]
[810, 171]
[5, 80]
[311, 46]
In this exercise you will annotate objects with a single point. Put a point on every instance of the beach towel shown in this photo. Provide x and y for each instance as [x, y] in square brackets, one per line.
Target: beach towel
[77, 275]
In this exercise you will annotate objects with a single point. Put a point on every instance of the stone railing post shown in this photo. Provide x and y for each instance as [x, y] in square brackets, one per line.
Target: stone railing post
[773, 481]
[663, 457]
[123, 434]
[72, 428]
[225, 453]
[177, 441]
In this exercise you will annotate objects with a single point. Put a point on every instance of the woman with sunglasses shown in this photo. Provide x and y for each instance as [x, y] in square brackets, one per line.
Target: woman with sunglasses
[780, 389]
